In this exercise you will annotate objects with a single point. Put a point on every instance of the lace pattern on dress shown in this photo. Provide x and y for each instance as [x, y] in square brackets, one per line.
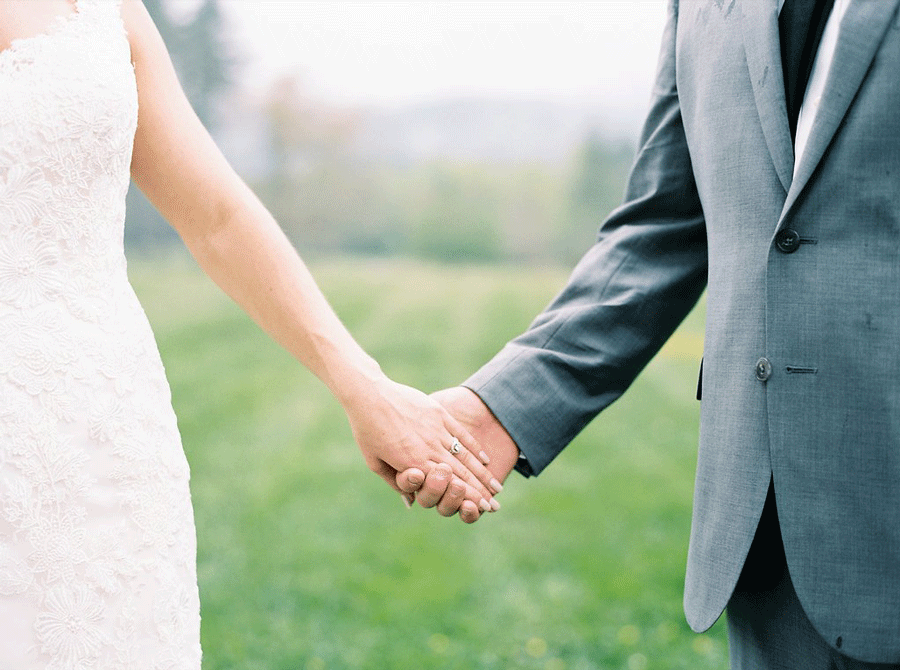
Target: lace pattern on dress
[97, 542]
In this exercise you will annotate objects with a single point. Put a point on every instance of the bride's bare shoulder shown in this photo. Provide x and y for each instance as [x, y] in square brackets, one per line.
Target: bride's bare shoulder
[22, 19]
[146, 43]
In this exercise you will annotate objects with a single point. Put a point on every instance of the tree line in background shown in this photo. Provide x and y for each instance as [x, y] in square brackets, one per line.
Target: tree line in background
[331, 198]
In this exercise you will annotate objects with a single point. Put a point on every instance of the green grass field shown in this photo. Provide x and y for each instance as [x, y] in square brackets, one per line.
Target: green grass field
[309, 562]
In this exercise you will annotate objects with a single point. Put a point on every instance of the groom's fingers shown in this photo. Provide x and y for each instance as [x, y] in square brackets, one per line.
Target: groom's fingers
[435, 486]
[468, 512]
[472, 489]
[410, 481]
[450, 502]
[413, 480]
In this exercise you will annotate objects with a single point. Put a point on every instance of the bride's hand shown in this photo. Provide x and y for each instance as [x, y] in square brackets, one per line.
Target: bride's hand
[398, 428]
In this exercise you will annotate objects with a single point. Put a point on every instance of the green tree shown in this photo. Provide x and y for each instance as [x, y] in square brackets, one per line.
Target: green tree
[205, 60]
[596, 189]
[459, 220]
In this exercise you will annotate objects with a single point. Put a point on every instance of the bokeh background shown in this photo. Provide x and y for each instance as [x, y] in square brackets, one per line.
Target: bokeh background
[440, 166]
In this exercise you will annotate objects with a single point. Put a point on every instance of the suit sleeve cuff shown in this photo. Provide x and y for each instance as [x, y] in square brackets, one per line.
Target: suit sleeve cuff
[508, 402]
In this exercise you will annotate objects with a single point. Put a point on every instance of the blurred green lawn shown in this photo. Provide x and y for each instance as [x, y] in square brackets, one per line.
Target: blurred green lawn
[309, 562]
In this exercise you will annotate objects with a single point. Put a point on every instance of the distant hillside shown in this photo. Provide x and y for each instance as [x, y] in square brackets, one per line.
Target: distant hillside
[491, 130]
[469, 130]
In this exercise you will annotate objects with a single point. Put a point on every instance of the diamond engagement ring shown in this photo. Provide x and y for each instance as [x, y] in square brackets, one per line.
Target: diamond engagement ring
[455, 446]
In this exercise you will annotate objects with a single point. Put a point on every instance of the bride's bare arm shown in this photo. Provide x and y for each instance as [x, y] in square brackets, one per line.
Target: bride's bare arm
[241, 247]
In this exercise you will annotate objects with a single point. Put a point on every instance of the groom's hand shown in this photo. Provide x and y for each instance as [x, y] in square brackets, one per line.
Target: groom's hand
[467, 408]
[439, 491]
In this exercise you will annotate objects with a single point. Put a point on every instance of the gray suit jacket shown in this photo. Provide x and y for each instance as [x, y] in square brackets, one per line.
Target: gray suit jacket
[712, 196]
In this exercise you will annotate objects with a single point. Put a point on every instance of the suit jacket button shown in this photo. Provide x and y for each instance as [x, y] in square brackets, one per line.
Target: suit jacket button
[787, 241]
[763, 369]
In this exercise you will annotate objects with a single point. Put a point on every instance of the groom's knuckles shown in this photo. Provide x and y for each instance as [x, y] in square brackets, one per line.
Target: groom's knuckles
[449, 504]
[410, 480]
[435, 485]
[469, 512]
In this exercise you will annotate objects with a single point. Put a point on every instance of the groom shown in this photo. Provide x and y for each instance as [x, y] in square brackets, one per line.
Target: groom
[769, 165]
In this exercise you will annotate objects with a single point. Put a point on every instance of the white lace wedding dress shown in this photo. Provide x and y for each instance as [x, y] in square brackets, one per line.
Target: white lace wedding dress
[97, 541]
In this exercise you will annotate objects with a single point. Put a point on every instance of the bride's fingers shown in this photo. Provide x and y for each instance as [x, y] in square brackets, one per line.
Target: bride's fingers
[476, 489]
[475, 466]
[484, 504]
[464, 466]
[466, 438]
[466, 449]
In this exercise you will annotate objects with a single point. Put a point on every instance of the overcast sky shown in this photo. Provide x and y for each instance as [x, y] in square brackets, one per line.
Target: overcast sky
[394, 53]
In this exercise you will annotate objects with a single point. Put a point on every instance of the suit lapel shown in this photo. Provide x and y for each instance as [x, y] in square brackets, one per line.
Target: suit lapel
[760, 28]
[861, 33]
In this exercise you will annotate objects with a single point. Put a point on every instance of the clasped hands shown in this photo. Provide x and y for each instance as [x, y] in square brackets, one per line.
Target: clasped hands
[408, 439]
[439, 488]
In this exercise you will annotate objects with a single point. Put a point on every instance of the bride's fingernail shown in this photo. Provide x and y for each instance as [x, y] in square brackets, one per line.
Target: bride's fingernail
[485, 505]
[497, 486]
[407, 500]
[484, 457]
[495, 506]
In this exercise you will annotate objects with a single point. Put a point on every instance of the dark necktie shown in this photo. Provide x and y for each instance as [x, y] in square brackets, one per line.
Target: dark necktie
[800, 25]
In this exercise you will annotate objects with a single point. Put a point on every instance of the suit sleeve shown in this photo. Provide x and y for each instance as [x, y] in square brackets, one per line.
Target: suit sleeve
[623, 300]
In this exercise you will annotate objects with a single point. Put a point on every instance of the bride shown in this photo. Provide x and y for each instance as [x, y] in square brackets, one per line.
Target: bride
[97, 542]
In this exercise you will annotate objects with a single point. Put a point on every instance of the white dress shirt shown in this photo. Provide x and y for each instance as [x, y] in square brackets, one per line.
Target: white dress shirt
[816, 85]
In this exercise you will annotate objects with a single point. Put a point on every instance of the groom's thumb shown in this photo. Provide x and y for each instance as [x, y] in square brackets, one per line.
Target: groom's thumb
[411, 480]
